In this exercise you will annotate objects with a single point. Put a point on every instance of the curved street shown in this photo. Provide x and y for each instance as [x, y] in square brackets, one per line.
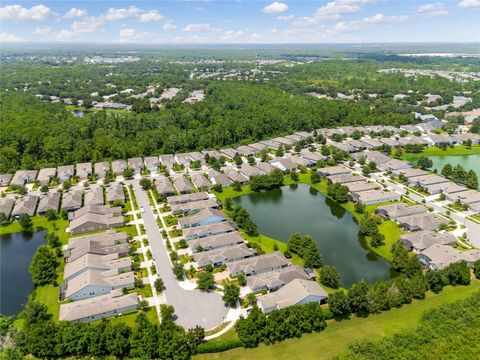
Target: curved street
[192, 307]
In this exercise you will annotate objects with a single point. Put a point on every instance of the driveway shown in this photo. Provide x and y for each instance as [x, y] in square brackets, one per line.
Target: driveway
[191, 307]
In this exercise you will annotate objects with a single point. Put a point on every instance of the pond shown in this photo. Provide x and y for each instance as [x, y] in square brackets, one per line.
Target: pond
[78, 113]
[279, 213]
[16, 252]
[469, 162]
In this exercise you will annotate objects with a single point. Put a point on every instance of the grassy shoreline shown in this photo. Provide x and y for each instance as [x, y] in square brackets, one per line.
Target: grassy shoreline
[458, 150]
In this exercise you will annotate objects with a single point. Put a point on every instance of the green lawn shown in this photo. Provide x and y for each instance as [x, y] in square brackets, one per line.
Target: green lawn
[339, 335]
[58, 226]
[129, 319]
[449, 151]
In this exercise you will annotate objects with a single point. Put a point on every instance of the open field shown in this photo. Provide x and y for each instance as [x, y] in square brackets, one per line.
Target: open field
[339, 335]
[449, 151]
[58, 226]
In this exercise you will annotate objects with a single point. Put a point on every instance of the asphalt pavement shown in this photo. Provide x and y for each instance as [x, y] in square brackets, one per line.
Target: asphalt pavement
[192, 307]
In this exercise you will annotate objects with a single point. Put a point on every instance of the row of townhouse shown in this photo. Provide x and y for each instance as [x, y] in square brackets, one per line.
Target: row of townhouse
[97, 269]
[54, 200]
[214, 241]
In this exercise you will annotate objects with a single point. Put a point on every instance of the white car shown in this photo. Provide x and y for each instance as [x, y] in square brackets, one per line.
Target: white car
[142, 210]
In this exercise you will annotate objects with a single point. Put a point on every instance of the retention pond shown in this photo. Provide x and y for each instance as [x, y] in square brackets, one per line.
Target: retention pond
[279, 213]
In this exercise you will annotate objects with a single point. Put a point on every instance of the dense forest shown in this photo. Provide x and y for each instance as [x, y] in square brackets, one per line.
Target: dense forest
[36, 134]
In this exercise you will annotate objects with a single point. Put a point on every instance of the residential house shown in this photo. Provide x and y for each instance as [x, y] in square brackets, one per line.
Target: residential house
[221, 179]
[96, 262]
[183, 159]
[94, 196]
[426, 222]
[5, 179]
[152, 163]
[186, 198]
[284, 164]
[223, 256]
[274, 280]
[236, 176]
[201, 182]
[22, 177]
[183, 185]
[439, 256]
[204, 231]
[94, 283]
[6, 206]
[115, 193]
[215, 242]
[100, 307]
[46, 175]
[296, 292]
[84, 171]
[118, 167]
[258, 264]
[194, 207]
[164, 186]
[204, 217]
[397, 211]
[446, 188]
[370, 197]
[65, 172]
[264, 167]
[101, 169]
[49, 201]
[93, 218]
[167, 160]
[25, 205]
[248, 170]
[359, 186]
[425, 180]
[247, 150]
[333, 170]
[345, 178]
[419, 241]
[136, 164]
[229, 153]
[72, 200]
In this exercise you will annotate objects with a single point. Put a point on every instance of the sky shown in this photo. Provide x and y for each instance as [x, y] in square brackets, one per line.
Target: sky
[236, 21]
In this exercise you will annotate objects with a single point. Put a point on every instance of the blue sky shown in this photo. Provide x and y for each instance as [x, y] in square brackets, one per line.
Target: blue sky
[237, 21]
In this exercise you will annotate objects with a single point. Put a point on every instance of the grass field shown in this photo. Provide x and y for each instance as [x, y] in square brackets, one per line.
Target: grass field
[58, 226]
[449, 151]
[339, 335]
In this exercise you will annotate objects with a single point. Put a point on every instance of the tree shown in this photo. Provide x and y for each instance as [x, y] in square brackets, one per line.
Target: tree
[145, 184]
[3, 217]
[377, 239]
[251, 298]
[158, 284]
[357, 298]
[368, 225]
[236, 186]
[294, 176]
[228, 203]
[338, 192]
[250, 329]
[166, 312]
[330, 277]
[44, 188]
[231, 294]
[400, 257]
[195, 336]
[435, 280]
[238, 159]
[457, 273]
[280, 151]
[476, 269]
[26, 223]
[178, 270]
[117, 336]
[315, 177]
[218, 188]
[242, 280]
[339, 305]
[359, 207]
[128, 173]
[424, 163]
[52, 240]
[51, 215]
[141, 106]
[43, 266]
[205, 281]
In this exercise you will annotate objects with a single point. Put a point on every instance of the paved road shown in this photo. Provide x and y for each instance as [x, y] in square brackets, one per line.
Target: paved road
[191, 307]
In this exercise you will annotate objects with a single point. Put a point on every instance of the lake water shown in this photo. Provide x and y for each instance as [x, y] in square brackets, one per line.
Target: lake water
[279, 213]
[469, 162]
[78, 113]
[16, 252]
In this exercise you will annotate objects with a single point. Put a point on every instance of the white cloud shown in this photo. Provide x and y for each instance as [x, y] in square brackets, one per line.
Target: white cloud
[275, 8]
[18, 12]
[381, 18]
[434, 9]
[128, 35]
[189, 39]
[88, 25]
[469, 4]
[4, 37]
[333, 10]
[74, 12]
[169, 26]
[42, 30]
[199, 27]
[65, 35]
[285, 17]
[133, 13]
[233, 35]
[151, 15]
